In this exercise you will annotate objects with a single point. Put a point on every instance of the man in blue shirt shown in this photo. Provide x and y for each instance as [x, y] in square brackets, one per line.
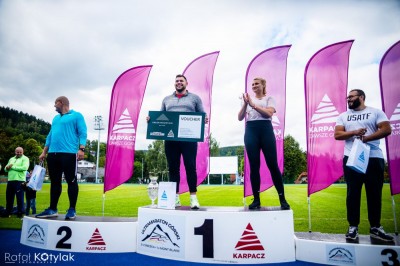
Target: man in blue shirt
[65, 144]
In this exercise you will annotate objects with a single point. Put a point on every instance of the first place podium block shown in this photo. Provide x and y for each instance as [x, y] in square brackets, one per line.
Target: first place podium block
[217, 234]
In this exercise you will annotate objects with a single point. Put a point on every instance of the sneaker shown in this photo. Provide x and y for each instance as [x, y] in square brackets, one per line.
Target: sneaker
[284, 205]
[379, 234]
[352, 233]
[256, 204]
[194, 203]
[47, 213]
[71, 214]
[177, 201]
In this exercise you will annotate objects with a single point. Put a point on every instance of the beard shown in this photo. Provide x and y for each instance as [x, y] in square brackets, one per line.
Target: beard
[355, 104]
[179, 90]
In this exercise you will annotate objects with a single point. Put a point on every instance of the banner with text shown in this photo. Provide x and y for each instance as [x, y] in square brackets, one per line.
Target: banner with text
[126, 101]
[271, 65]
[325, 88]
[389, 74]
[199, 74]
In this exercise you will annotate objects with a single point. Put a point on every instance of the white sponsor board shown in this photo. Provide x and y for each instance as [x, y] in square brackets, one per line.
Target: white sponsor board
[76, 236]
[332, 253]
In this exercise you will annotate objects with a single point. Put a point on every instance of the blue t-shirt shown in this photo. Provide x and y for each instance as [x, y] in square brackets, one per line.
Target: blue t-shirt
[68, 132]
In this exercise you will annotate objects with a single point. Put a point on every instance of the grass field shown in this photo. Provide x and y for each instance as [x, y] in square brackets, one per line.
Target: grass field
[328, 210]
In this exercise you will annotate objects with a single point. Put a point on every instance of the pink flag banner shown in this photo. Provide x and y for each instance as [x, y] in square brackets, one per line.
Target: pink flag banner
[325, 88]
[389, 74]
[199, 74]
[126, 101]
[271, 65]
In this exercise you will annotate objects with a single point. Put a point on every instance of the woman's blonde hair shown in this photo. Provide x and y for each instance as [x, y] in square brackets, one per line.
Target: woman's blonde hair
[264, 84]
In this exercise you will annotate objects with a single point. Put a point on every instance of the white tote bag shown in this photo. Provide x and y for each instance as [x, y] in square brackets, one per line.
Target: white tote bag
[359, 156]
[37, 177]
[166, 195]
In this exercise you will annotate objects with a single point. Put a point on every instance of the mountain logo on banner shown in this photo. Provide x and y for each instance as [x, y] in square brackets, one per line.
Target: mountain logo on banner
[396, 114]
[275, 121]
[170, 134]
[326, 112]
[124, 124]
[249, 240]
[96, 242]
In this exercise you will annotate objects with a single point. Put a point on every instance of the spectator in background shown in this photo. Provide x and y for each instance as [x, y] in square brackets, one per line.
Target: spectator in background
[30, 195]
[16, 169]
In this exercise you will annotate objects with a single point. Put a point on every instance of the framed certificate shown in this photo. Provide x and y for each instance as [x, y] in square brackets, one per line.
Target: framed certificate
[177, 126]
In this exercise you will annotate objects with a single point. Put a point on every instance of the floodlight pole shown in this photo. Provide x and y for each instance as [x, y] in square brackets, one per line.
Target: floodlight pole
[98, 125]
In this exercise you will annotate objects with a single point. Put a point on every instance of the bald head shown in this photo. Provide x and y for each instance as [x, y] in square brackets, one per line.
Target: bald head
[64, 100]
[62, 105]
[19, 152]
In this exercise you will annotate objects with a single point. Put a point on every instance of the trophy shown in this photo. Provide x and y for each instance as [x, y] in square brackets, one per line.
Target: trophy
[152, 189]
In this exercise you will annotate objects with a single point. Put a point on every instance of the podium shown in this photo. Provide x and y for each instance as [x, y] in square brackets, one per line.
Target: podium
[225, 235]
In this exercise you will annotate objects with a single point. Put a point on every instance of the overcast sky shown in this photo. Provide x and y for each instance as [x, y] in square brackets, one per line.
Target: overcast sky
[79, 48]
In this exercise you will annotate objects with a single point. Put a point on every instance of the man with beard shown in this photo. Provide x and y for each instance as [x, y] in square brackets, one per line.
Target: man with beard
[370, 125]
[183, 101]
[65, 144]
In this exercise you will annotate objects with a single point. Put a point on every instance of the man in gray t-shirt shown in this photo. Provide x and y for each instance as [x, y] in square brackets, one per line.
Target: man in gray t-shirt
[183, 101]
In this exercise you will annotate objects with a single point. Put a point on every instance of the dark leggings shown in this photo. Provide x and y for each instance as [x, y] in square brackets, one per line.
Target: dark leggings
[373, 180]
[188, 150]
[14, 189]
[59, 163]
[259, 136]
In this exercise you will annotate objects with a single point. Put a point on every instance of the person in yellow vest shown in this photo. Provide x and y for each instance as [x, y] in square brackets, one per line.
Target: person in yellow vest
[16, 169]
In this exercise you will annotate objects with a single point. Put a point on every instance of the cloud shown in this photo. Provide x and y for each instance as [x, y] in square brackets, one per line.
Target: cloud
[79, 48]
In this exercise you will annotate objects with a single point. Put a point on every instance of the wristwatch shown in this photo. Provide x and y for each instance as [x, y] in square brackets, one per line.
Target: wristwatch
[82, 149]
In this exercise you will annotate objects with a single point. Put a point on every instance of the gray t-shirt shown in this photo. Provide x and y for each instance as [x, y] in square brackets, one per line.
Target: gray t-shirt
[264, 102]
[368, 118]
[188, 103]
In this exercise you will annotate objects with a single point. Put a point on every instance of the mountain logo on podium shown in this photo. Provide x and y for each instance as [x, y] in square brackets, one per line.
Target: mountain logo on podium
[342, 255]
[96, 242]
[36, 234]
[160, 236]
[249, 240]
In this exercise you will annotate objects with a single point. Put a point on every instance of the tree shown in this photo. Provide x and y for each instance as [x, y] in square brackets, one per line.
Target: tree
[214, 146]
[32, 150]
[240, 155]
[139, 167]
[295, 160]
[156, 160]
